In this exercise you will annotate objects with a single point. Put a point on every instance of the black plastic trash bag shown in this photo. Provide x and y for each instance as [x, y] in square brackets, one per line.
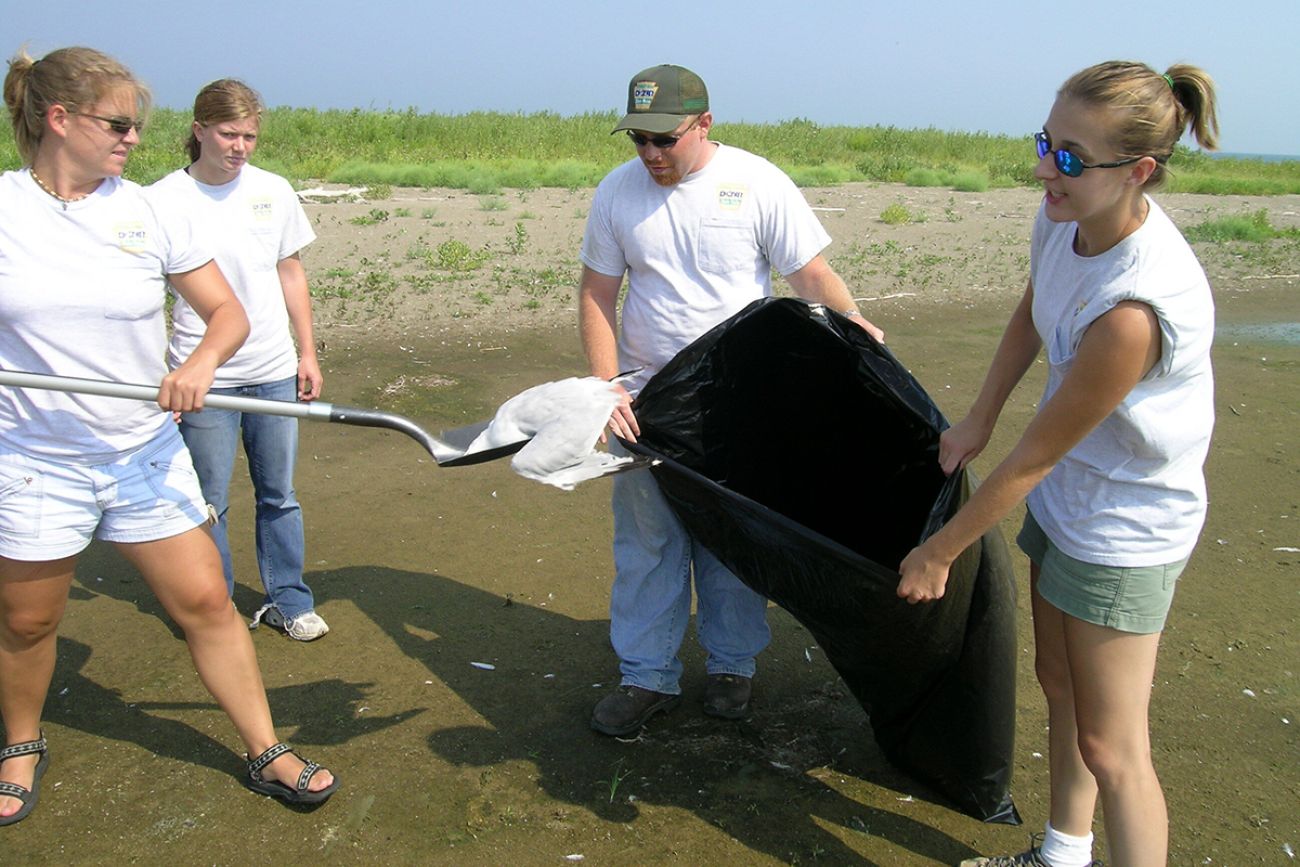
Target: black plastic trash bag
[802, 454]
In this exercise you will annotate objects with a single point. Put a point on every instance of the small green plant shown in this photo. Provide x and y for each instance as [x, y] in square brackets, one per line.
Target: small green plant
[453, 255]
[428, 213]
[378, 192]
[376, 215]
[615, 778]
[519, 241]
[492, 203]
[896, 215]
[378, 283]
[401, 212]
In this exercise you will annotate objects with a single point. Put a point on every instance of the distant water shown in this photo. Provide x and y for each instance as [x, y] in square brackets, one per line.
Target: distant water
[1264, 332]
[1263, 158]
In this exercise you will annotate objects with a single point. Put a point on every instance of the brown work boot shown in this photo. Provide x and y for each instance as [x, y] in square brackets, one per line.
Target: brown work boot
[727, 696]
[625, 710]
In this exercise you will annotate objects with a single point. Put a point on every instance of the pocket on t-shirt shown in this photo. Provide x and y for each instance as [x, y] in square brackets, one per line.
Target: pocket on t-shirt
[726, 248]
[267, 246]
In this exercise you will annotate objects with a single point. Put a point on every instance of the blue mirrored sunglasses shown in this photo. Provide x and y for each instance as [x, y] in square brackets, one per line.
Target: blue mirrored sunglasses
[1068, 163]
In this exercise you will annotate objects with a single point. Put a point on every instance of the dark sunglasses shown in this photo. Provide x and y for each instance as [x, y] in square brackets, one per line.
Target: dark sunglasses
[663, 142]
[119, 125]
[1068, 163]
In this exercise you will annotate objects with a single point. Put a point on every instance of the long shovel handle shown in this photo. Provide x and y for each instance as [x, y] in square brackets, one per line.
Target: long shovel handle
[442, 452]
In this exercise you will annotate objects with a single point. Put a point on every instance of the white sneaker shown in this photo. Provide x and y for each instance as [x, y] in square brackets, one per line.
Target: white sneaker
[307, 626]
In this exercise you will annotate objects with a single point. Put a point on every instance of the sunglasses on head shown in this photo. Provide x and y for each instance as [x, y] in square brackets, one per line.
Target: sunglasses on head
[1068, 163]
[663, 142]
[119, 125]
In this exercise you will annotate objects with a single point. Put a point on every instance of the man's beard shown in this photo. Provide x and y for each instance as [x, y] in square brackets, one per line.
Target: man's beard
[666, 180]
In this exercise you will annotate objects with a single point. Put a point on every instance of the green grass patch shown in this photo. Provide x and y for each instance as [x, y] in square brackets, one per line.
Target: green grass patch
[487, 152]
[897, 214]
[376, 215]
[1239, 227]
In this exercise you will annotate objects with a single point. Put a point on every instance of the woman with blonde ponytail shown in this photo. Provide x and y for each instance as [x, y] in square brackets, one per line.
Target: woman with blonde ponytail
[85, 259]
[1112, 464]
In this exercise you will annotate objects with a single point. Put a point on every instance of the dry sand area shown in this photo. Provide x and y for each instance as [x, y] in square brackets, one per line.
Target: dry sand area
[443, 303]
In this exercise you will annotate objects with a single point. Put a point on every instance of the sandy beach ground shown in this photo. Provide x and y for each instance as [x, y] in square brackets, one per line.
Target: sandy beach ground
[440, 304]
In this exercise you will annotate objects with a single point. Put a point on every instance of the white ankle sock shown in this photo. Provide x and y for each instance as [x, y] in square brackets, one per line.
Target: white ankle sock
[1065, 850]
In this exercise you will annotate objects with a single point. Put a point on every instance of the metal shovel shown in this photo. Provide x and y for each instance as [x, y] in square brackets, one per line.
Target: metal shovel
[447, 449]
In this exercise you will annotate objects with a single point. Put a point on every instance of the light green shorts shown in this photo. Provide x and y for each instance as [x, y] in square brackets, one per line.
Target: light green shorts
[1129, 599]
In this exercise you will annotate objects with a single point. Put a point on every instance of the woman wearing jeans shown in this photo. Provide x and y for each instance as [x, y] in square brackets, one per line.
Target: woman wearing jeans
[257, 227]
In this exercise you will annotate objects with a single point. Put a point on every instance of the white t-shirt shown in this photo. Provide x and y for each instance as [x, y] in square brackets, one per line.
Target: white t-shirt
[696, 252]
[81, 294]
[252, 222]
[1132, 493]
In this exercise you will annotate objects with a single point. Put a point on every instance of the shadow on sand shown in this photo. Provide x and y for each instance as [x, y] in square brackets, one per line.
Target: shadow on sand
[763, 781]
[747, 778]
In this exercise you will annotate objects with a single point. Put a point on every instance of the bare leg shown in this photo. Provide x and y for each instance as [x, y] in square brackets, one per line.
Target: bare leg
[1112, 674]
[1073, 788]
[194, 595]
[32, 599]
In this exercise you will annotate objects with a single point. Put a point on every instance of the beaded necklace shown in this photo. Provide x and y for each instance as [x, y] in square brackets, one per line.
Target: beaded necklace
[44, 186]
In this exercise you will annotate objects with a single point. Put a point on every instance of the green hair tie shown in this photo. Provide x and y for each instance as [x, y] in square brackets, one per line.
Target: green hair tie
[1168, 80]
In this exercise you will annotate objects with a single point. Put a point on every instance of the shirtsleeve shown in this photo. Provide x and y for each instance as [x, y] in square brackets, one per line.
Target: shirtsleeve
[793, 236]
[298, 232]
[601, 251]
[181, 244]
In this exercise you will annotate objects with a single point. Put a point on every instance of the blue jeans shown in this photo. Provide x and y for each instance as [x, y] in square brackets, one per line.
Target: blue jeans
[271, 444]
[650, 604]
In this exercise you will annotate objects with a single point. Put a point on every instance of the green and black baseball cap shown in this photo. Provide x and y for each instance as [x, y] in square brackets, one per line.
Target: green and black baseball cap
[661, 97]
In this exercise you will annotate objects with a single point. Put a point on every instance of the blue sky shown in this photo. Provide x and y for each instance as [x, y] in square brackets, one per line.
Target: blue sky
[977, 66]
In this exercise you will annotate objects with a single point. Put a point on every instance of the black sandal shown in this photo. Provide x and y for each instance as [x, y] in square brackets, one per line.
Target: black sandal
[276, 789]
[29, 797]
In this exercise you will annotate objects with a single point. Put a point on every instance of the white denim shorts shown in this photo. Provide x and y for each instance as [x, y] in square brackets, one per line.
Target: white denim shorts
[50, 510]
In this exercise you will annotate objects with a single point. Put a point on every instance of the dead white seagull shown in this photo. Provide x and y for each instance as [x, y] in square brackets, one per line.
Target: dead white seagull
[562, 422]
[551, 429]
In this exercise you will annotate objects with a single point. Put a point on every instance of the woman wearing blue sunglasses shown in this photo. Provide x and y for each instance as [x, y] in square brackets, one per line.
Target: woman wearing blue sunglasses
[1111, 466]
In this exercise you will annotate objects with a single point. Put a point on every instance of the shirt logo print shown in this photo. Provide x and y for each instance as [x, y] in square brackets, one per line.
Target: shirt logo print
[131, 237]
[731, 198]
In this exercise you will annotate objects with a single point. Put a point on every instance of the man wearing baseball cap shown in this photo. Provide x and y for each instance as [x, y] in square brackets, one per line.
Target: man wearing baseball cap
[697, 227]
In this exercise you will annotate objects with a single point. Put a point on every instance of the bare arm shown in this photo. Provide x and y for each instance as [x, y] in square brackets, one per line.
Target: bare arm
[597, 323]
[206, 290]
[818, 282]
[963, 442]
[297, 300]
[1115, 353]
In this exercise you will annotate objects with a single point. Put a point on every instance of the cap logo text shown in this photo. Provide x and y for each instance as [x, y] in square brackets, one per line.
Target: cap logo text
[643, 94]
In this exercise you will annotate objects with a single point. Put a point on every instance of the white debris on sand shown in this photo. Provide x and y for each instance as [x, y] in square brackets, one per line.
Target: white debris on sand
[319, 194]
[563, 420]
